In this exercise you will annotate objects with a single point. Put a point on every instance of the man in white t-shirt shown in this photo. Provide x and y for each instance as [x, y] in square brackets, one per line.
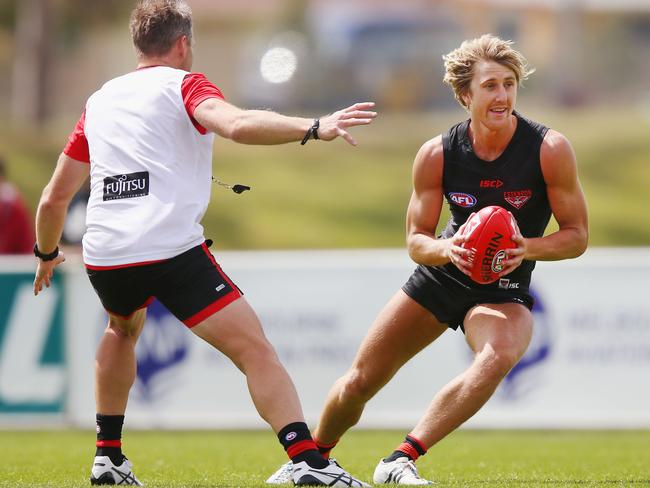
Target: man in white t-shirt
[145, 139]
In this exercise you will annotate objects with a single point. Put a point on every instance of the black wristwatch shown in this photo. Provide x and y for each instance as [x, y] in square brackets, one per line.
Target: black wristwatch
[45, 257]
[311, 133]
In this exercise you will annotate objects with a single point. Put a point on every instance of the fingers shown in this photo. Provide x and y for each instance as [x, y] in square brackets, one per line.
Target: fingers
[358, 114]
[44, 273]
[360, 106]
[354, 122]
[514, 258]
[346, 135]
[461, 258]
[334, 125]
[462, 227]
[458, 239]
[40, 279]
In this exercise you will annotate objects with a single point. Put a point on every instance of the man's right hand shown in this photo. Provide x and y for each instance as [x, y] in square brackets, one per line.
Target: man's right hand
[335, 125]
[458, 255]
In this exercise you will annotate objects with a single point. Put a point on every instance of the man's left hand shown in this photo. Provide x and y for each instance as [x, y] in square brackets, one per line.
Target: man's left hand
[44, 272]
[516, 255]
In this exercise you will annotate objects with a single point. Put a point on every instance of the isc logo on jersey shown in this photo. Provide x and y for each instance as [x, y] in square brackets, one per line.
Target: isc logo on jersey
[464, 200]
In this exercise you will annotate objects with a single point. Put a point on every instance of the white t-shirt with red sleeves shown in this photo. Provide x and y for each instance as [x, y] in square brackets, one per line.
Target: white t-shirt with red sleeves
[150, 166]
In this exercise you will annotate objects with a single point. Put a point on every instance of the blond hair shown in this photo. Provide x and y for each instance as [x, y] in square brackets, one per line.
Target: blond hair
[156, 24]
[459, 63]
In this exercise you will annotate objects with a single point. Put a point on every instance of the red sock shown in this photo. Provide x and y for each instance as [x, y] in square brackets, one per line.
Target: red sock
[325, 449]
[412, 447]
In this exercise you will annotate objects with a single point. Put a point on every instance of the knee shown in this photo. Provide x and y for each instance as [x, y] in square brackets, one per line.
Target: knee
[358, 386]
[255, 356]
[123, 329]
[499, 360]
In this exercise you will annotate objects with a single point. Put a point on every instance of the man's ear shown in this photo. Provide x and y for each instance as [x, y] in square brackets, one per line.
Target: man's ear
[466, 98]
[181, 45]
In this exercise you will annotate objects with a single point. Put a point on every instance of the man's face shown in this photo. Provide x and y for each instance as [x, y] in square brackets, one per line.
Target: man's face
[492, 94]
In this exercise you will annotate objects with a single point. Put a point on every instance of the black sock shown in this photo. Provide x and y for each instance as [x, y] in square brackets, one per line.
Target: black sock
[109, 435]
[397, 454]
[297, 441]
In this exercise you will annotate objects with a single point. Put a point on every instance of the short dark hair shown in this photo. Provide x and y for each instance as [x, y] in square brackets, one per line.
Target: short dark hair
[156, 24]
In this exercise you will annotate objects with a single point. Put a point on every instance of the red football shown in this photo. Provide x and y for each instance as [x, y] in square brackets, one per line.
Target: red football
[490, 233]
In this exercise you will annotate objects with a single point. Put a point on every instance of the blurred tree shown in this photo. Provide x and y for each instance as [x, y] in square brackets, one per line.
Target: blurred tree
[7, 14]
[31, 61]
[40, 26]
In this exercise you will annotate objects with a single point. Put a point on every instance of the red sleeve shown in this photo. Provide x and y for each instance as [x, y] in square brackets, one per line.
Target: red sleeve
[77, 146]
[196, 88]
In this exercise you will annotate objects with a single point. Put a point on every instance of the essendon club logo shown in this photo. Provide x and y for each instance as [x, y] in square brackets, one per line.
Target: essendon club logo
[126, 186]
[463, 199]
[517, 198]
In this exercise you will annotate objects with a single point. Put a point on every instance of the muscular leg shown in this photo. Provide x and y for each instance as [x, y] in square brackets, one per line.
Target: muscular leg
[115, 365]
[402, 329]
[237, 333]
[499, 335]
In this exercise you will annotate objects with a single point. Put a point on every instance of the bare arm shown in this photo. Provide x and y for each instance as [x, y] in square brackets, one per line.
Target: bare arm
[559, 167]
[567, 201]
[424, 212]
[266, 127]
[67, 179]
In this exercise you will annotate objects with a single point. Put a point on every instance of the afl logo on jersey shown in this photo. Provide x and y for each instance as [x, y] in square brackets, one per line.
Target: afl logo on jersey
[464, 200]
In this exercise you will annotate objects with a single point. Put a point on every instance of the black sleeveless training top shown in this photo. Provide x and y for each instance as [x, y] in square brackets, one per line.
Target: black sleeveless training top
[514, 181]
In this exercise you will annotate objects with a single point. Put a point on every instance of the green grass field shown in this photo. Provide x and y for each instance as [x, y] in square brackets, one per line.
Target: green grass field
[245, 458]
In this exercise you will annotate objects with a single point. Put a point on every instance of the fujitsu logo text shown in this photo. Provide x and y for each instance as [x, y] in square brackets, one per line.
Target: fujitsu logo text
[126, 186]
[123, 185]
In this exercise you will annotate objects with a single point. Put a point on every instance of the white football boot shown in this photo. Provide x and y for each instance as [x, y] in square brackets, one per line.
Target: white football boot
[104, 472]
[331, 475]
[402, 471]
[283, 475]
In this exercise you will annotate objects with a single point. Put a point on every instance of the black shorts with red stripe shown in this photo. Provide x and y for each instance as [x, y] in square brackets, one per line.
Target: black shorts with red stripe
[191, 285]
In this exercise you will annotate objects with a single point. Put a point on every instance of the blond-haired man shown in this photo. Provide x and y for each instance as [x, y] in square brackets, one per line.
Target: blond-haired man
[146, 139]
[536, 172]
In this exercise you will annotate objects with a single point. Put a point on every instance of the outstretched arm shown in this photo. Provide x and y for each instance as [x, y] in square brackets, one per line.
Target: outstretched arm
[67, 179]
[265, 127]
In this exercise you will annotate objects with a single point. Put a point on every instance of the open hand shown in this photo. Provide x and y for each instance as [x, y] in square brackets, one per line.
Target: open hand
[336, 124]
[44, 272]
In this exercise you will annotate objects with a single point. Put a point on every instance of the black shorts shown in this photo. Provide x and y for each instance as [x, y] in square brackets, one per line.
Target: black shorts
[191, 285]
[449, 300]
